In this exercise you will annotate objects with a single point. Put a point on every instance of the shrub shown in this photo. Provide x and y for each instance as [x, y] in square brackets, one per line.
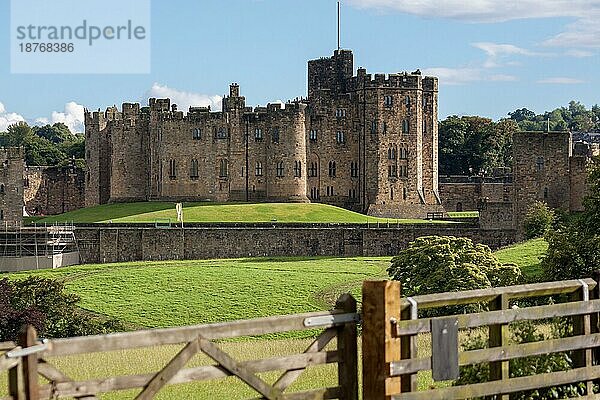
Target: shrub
[524, 332]
[538, 221]
[436, 264]
[44, 304]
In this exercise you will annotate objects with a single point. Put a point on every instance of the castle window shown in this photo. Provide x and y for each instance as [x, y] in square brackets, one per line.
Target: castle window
[545, 194]
[275, 135]
[223, 168]
[392, 153]
[374, 126]
[407, 101]
[404, 193]
[425, 101]
[297, 169]
[259, 169]
[330, 191]
[26, 182]
[539, 165]
[352, 193]
[384, 127]
[194, 169]
[332, 169]
[340, 137]
[340, 113]
[280, 169]
[424, 125]
[354, 169]
[172, 169]
[393, 171]
[388, 101]
[1, 215]
[2, 188]
[405, 126]
[222, 133]
[313, 135]
[313, 170]
[403, 153]
[315, 193]
[391, 193]
[197, 134]
[258, 134]
[403, 171]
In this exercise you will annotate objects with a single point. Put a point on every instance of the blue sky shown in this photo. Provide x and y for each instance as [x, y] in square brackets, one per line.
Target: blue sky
[491, 56]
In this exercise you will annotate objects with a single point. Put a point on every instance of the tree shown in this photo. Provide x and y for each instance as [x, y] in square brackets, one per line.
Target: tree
[436, 264]
[574, 249]
[45, 304]
[539, 220]
[522, 114]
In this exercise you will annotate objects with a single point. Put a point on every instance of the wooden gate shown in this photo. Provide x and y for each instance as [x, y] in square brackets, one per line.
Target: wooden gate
[27, 362]
[391, 325]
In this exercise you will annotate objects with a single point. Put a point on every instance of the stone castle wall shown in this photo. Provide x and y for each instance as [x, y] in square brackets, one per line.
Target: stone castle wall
[367, 143]
[11, 186]
[53, 190]
[130, 243]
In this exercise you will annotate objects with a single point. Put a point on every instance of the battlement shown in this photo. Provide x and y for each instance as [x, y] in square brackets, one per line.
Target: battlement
[403, 80]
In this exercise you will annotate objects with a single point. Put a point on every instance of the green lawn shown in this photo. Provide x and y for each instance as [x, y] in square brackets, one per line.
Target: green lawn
[175, 293]
[463, 214]
[211, 212]
[526, 255]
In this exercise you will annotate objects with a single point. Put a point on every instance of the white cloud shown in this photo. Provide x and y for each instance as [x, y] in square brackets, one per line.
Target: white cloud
[7, 119]
[497, 49]
[503, 78]
[485, 10]
[579, 53]
[73, 117]
[185, 100]
[559, 80]
[582, 33]
[454, 76]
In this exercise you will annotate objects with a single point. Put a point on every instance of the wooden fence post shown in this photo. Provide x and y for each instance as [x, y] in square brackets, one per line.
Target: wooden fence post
[348, 351]
[380, 346]
[498, 337]
[15, 379]
[595, 320]
[582, 325]
[28, 338]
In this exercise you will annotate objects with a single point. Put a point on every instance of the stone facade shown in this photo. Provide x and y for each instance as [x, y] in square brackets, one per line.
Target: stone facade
[11, 187]
[135, 243]
[466, 193]
[366, 143]
[53, 190]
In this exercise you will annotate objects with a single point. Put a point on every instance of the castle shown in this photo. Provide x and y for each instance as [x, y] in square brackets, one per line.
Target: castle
[11, 186]
[363, 142]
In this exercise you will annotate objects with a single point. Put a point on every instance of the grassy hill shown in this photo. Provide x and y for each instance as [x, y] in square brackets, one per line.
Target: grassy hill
[526, 255]
[211, 212]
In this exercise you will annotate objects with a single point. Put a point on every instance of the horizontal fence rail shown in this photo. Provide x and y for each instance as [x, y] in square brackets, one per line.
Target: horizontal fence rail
[31, 360]
[391, 325]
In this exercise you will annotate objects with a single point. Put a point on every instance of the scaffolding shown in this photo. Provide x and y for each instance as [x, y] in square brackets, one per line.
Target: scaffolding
[24, 246]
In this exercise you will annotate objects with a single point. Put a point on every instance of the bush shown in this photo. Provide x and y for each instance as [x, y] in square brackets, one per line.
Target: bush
[44, 304]
[436, 264]
[525, 332]
[538, 221]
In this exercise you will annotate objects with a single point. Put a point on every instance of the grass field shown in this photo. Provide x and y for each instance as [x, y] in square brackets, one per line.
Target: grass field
[162, 294]
[526, 255]
[149, 212]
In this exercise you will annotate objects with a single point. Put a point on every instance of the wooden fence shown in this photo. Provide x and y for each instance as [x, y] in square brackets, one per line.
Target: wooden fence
[389, 336]
[391, 325]
[29, 361]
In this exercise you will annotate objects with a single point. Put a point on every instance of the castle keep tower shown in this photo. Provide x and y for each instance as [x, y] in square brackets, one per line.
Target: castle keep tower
[367, 143]
[11, 186]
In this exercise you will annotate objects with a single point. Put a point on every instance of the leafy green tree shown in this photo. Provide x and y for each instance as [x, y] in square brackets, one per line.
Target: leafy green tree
[45, 304]
[436, 264]
[539, 220]
[574, 249]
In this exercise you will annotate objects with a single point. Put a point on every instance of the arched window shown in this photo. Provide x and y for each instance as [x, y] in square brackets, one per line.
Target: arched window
[223, 168]
[332, 169]
[194, 169]
[405, 126]
[297, 169]
[403, 153]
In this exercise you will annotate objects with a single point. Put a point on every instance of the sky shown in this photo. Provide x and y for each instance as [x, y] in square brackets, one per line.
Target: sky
[491, 56]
